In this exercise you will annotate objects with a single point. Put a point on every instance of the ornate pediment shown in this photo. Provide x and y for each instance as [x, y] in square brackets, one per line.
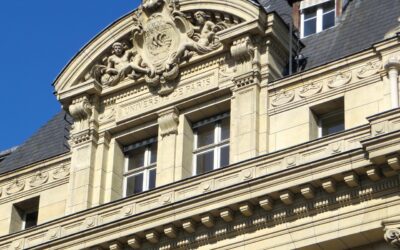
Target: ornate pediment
[162, 38]
[153, 44]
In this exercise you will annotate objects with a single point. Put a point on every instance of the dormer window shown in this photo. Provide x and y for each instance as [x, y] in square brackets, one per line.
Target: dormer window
[316, 16]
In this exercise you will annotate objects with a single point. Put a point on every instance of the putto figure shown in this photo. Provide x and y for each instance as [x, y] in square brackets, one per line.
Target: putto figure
[121, 64]
[203, 39]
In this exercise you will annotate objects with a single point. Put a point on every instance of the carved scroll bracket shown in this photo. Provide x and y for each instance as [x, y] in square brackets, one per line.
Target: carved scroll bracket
[247, 59]
[168, 122]
[392, 232]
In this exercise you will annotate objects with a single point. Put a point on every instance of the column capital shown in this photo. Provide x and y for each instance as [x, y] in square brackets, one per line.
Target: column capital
[393, 63]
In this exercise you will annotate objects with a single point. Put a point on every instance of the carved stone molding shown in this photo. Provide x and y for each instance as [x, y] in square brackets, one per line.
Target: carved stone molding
[283, 97]
[39, 179]
[340, 80]
[310, 89]
[369, 69]
[15, 186]
[393, 62]
[168, 122]
[62, 172]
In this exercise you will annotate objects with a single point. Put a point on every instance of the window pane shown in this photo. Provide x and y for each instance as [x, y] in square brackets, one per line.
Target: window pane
[328, 20]
[310, 27]
[310, 13]
[328, 6]
[205, 162]
[205, 135]
[31, 219]
[152, 179]
[224, 159]
[134, 184]
[332, 124]
[136, 158]
[153, 152]
[225, 129]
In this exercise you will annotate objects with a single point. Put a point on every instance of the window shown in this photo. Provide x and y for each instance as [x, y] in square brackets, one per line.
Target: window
[327, 118]
[24, 215]
[211, 143]
[317, 18]
[140, 167]
[331, 123]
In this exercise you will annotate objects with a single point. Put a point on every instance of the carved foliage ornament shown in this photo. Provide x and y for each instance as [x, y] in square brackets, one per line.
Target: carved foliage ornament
[15, 186]
[162, 37]
[369, 69]
[39, 178]
[339, 80]
[283, 97]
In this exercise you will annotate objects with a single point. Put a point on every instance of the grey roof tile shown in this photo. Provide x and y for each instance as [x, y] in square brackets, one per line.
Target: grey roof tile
[49, 141]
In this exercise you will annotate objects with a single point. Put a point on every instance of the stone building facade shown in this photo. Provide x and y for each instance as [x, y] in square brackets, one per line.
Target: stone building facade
[210, 124]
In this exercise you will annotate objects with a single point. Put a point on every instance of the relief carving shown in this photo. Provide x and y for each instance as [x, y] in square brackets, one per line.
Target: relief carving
[310, 89]
[369, 69]
[81, 110]
[392, 236]
[283, 97]
[15, 186]
[39, 178]
[61, 172]
[162, 38]
[339, 80]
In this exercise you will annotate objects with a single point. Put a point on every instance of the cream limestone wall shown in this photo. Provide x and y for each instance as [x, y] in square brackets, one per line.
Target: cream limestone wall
[318, 194]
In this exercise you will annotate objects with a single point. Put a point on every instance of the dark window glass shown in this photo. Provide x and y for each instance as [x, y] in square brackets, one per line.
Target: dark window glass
[310, 13]
[152, 178]
[328, 6]
[310, 27]
[136, 158]
[134, 184]
[205, 135]
[153, 156]
[332, 123]
[205, 162]
[328, 20]
[31, 219]
[224, 159]
[225, 129]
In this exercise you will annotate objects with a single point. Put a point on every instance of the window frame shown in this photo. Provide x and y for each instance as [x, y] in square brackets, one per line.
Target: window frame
[319, 15]
[145, 169]
[216, 146]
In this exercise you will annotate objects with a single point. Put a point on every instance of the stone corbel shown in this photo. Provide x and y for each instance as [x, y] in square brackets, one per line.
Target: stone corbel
[81, 111]
[392, 232]
[168, 122]
[393, 161]
[247, 59]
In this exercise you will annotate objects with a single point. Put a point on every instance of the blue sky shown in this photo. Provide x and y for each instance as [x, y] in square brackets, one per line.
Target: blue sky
[37, 39]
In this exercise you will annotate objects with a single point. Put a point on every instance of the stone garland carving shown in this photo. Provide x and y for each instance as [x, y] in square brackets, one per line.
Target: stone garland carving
[39, 178]
[369, 69]
[310, 89]
[283, 97]
[339, 80]
[15, 186]
[162, 38]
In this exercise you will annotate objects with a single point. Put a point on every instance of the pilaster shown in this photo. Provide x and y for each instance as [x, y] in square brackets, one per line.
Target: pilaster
[168, 121]
[245, 105]
[84, 138]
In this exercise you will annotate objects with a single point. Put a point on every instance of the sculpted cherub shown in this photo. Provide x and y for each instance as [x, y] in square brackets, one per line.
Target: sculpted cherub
[121, 64]
[203, 39]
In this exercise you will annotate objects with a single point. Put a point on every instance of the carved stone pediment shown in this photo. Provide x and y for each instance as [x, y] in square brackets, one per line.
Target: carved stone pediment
[162, 37]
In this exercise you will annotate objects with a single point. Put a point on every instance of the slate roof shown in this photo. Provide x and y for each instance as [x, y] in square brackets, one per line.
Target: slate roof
[49, 141]
[363, 23]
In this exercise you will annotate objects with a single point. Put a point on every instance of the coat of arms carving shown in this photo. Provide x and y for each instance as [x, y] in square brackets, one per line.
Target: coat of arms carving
[162, 37]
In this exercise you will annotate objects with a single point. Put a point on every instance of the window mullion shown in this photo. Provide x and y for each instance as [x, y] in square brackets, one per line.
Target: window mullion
[319, 19]
[302, 25]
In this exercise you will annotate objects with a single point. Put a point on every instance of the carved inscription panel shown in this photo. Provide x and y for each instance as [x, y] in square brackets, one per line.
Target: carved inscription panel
[187, 89]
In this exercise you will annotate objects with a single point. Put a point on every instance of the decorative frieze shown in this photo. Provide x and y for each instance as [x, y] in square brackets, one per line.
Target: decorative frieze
[15, 186]
[369, 69]
[339, 79]
[283, 97]
[39, 178]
